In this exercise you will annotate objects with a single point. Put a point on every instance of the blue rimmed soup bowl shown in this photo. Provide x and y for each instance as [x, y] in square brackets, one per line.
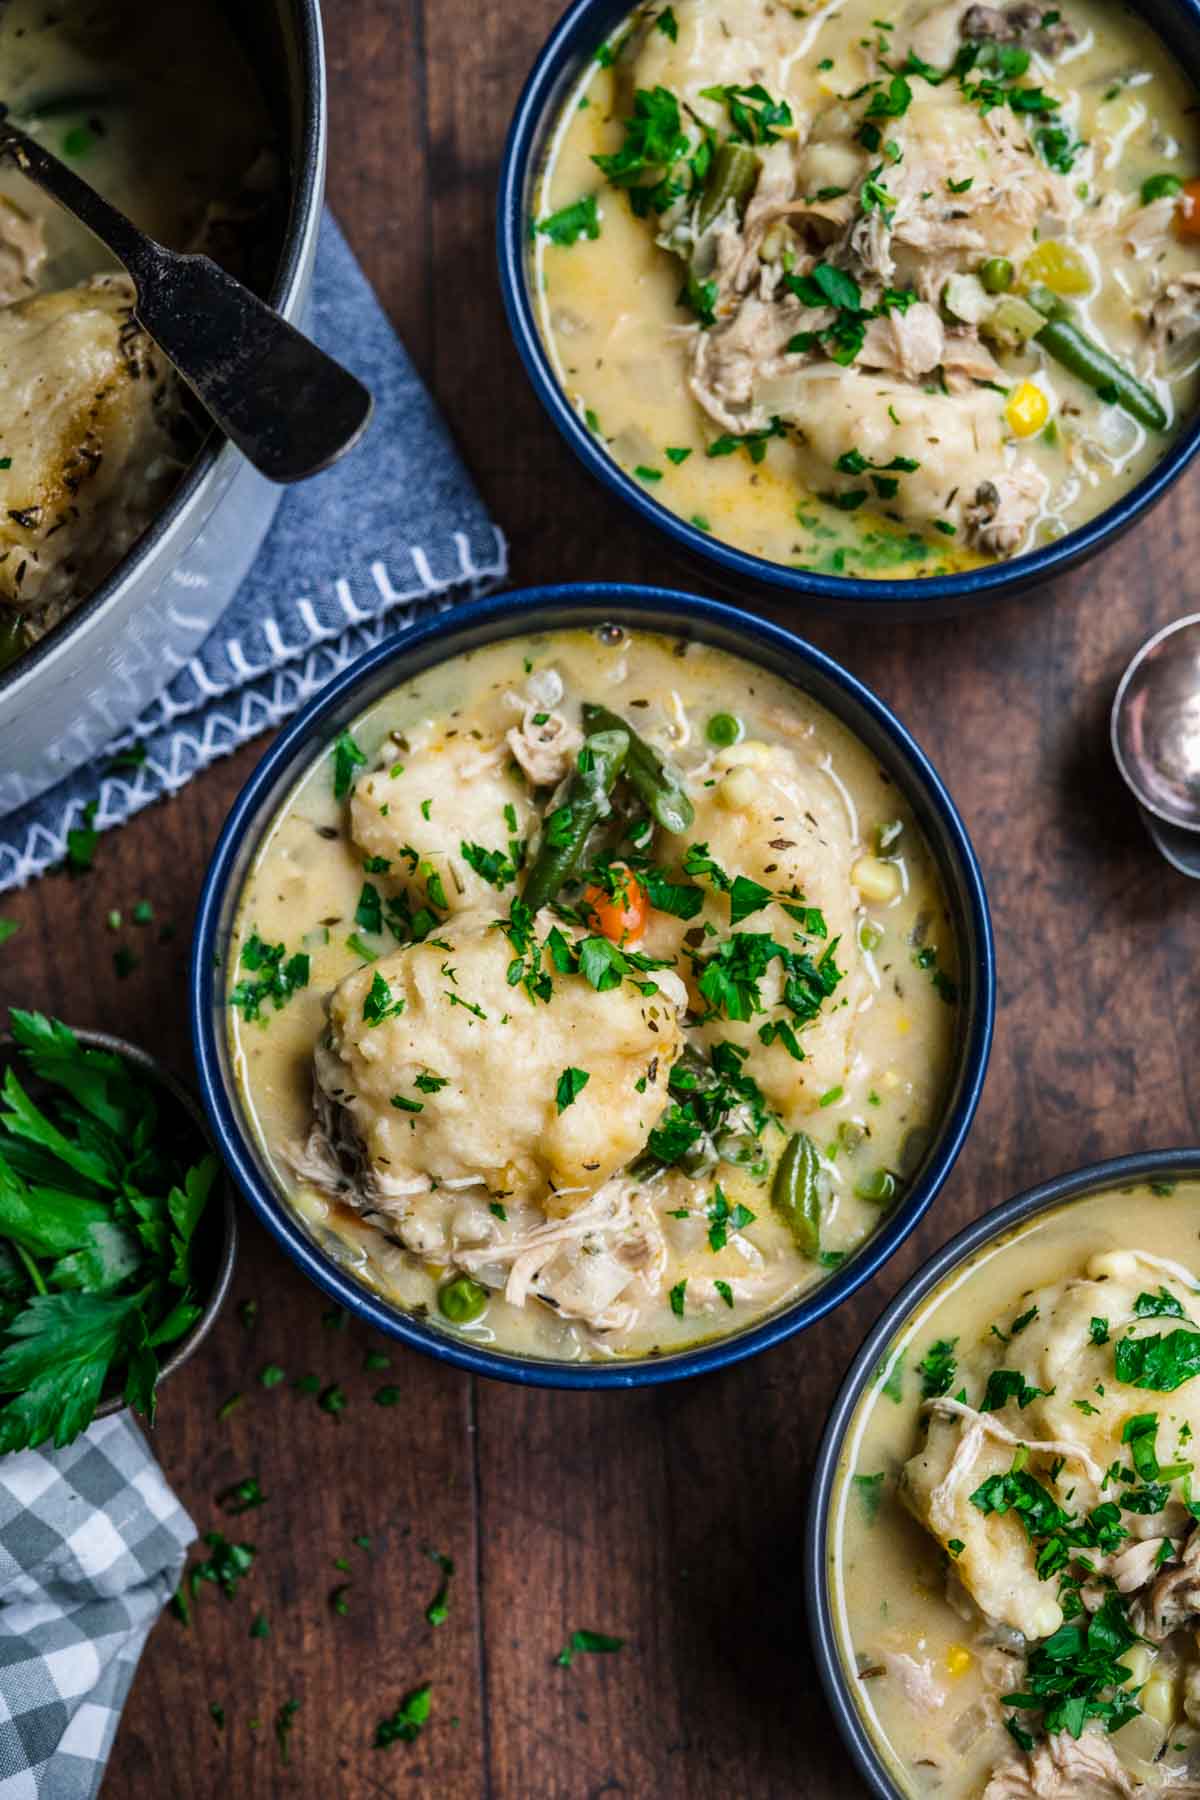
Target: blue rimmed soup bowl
[404, 656]
[573, 43]
[828, 1627]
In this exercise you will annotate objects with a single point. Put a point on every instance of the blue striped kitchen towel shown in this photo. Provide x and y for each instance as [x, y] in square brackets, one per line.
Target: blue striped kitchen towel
[348, 559]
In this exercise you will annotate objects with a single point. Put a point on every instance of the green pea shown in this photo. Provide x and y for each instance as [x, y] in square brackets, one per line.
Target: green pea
[870, 936]
[1158, 187]
[461, 1300]
[724, 729]
[880, 1186]
[997, 274]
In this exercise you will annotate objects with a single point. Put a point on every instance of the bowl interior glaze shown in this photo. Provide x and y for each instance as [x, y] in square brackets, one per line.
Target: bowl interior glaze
[572, 43]
[645, 609]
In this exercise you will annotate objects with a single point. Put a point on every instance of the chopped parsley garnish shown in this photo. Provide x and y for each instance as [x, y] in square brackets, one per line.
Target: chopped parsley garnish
[937, 1368]
[723, 1218]
[438, 1610]
[1155, 1306]
[493, 866]
[402, 1103]
[346, 758]
[1161, 1364]
[430, 1083]
[754, 117]
[566, 226]
[1076, 1674]
[1098, 1330]
[379, 1003]
[667, 23]
[655, 142]
[571, 1084]
[726, 1292]
[82, 841]
[369, 911]
[869, 1489]
[242, 1497]
[1008, 1384]
[677, 1298]
[587, 1643]
[276, 977]
[405, 1724]
[754, 443]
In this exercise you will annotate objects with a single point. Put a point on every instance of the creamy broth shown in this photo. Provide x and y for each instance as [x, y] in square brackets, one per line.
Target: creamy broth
[942, 432]
[936, 1662]
[474, 1065]
[159, 110]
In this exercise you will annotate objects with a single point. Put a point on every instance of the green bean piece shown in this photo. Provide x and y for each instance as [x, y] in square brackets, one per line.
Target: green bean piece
[732, 176]
[655, 781]
[461, 1300]
[1157, 187]
[585, 802]
[795, 1194]
[1063, 340]
[996, 274]
[724, 729]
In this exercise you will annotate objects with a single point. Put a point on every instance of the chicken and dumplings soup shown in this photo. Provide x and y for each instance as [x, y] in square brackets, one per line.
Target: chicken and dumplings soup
[877, 292]
[595, 994]
[1014, 1556]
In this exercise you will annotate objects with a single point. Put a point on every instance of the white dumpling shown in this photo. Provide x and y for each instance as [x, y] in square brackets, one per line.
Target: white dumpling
[775, 815]
[1076, 1422]
[424, 803]
[482, 1062]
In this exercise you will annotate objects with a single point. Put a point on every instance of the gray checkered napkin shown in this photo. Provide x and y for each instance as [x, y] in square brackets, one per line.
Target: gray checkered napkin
[92, 1544]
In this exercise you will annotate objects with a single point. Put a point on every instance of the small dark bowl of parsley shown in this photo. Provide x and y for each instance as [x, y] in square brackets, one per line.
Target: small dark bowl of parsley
[117, 1230]
[1001, 1293]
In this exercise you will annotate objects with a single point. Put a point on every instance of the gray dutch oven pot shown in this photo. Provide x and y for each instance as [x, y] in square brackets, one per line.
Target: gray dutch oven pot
[64, 701]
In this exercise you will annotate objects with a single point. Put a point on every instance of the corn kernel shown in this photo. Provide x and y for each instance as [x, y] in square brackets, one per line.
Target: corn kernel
[958, 1660]
[1158, 1698]
[1060, 267]
[903, 1025]
[875, 879]
[1027, 409]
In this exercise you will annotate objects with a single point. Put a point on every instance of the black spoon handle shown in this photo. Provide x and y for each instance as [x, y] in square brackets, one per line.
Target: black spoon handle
[287, 406]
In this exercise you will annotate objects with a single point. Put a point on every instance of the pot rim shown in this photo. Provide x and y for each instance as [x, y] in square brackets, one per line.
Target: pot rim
[438, 641]
[581, 29]
[217, 458]
[1091, 1178]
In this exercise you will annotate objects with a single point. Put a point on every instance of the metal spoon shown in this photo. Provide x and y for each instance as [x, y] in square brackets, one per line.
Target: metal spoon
[287, 406]
[1155, 732]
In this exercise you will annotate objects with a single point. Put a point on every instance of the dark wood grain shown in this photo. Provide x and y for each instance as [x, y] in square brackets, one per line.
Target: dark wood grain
[673, 1517]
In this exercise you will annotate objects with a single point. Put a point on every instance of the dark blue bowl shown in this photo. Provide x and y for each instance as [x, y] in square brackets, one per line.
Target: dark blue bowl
[556, 608]
[1122, 1171]
[572, 43]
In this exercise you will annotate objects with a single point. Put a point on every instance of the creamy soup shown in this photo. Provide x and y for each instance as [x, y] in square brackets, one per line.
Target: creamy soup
[877, 292]
[623, 981]
[156, 107]
[1014, 1552]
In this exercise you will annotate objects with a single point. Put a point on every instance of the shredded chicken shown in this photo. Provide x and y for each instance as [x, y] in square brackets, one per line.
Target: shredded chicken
[1174, 1599]
[1175, 321]
[980, 1425]
[544, 744]
[999, 515]
[915, 1679]
[1064, 1768]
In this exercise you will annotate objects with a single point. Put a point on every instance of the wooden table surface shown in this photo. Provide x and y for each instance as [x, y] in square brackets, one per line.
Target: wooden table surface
[671, 1517]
